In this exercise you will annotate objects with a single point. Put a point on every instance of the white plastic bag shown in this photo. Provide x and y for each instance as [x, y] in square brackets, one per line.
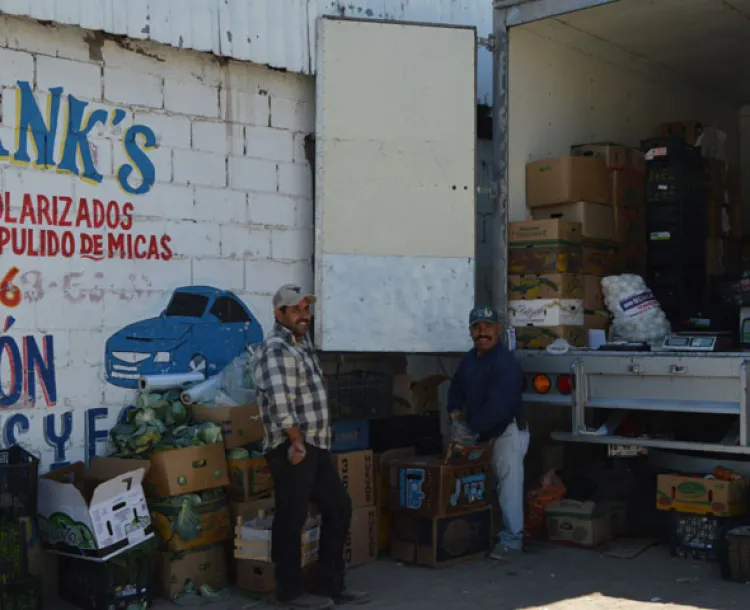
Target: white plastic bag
[461, 434]
[236, 386]
[638, 317]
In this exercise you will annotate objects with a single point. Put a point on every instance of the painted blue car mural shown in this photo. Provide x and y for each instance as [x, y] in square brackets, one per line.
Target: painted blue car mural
[202, 329]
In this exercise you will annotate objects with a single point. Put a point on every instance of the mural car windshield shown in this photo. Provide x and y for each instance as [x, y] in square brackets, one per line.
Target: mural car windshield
[187, 305]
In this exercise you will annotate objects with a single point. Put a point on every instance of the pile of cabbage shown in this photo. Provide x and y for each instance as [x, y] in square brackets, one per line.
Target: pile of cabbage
[160, 422]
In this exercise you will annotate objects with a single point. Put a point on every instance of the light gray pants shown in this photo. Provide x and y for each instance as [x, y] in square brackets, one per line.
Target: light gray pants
[508, 454]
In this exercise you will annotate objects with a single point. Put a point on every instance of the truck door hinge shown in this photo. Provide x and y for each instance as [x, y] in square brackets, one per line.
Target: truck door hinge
[488, 42]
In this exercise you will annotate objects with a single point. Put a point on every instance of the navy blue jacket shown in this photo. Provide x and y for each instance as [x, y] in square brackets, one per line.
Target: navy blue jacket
[490, 386]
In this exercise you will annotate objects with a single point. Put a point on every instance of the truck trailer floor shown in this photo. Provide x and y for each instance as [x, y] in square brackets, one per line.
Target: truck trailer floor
[550, 578]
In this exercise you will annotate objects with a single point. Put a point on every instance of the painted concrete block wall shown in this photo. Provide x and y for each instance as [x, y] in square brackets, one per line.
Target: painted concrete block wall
[126, 174]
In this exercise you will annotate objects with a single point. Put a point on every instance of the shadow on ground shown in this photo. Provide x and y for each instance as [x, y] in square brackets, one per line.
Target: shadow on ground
[548, 577]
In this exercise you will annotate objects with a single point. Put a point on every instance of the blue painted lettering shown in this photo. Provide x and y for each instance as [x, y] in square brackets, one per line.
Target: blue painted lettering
[93, 435]
[39, 127]
[17, 422]
[58, 441]
[76, 141]
[31, 121]
[26, 367]
[138, 160]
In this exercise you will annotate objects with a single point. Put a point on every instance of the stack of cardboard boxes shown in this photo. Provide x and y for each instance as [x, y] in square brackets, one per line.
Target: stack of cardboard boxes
[440, 508]
[254, 518]
[588, 222]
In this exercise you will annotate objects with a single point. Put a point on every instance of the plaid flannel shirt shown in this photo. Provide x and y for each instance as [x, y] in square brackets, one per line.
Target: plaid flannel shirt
[291, 390]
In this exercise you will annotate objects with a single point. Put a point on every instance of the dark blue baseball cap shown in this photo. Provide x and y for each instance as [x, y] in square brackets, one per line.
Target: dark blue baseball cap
[484, 314]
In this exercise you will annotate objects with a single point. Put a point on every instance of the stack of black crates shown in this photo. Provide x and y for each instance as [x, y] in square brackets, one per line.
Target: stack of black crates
[676, 215]
[18, 488]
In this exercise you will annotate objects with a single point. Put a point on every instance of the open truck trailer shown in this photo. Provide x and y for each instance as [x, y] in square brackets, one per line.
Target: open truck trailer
[571, 72]
[565, 72]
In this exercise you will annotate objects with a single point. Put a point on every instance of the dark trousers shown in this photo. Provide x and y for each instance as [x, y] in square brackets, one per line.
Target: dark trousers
[312, 480]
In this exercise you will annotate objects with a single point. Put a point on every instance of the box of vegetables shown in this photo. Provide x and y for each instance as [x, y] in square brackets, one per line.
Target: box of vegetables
[185, 457]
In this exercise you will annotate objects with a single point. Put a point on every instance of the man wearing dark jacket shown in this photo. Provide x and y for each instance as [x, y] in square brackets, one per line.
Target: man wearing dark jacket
[489, 384]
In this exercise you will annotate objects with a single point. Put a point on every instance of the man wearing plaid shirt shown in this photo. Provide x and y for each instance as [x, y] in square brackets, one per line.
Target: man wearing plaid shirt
[295, 415]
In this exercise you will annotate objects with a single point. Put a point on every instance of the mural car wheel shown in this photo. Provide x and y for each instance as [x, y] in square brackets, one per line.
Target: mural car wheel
[197, 364]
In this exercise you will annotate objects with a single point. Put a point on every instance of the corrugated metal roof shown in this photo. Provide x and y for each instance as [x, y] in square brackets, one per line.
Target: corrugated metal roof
[277, 33]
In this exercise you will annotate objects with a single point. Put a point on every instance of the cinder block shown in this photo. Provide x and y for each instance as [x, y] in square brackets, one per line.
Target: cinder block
[292, 114]
[85, 348]
[242, 242]
[305, 213]
[227, 274]
[252, 175]
[195, 239]
[79, 79]
[125, 86]
[221, 205]
[170, 130]
[300, 148]
[33, 37]
[292, 244]
[267, 143]
[295, 180]
[191, 97]
[219, 137]
[266, 276]
[247, 108]
[16, 65]
[272, 210]
[199, 168]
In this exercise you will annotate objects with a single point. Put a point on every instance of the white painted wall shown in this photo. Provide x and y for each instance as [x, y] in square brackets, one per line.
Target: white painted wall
[230, 207]
[566, 87]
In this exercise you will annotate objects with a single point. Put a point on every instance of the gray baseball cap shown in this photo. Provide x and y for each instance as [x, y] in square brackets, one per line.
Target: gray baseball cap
[290, 295]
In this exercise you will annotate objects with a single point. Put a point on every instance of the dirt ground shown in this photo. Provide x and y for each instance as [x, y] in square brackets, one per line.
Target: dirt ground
[546, 578]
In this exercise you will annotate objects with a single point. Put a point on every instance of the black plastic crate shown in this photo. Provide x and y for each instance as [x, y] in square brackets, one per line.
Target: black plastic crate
[675, 182]
[360, 395]
[702, 537]
[682, 290]
[14, 565]
[670, 149]
[18, 482]
[25, 595]
[116, 584]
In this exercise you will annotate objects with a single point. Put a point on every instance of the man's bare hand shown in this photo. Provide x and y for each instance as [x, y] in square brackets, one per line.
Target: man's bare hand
[297, 452]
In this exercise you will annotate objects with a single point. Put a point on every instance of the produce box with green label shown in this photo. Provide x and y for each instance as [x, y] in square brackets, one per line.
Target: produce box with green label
[703, 496]
[95, 513]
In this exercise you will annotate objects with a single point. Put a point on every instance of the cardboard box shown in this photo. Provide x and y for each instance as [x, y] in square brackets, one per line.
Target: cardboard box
[549, 232]
[255, 576]
[467, 455]
[585, 524]
[597, 321]
[383, 472]
[530, 337]
[252, 540]
[252, 508]
[248, 478]
[362, 538]
[701, 496]
[442, 541]
[241, 425]
[545, 286]
[688, 130]
[416, 397]
[545, 259]
[597, 220]
[546, 312]
[95, 513]
[350, 435]
[215, 524]
[426, 486]
[593, 295]
[204, 567]
[615, 156]
[385, 530]
[627, 189]
[182, 471]
[566, 180]
[357, 471]
[600, 258]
